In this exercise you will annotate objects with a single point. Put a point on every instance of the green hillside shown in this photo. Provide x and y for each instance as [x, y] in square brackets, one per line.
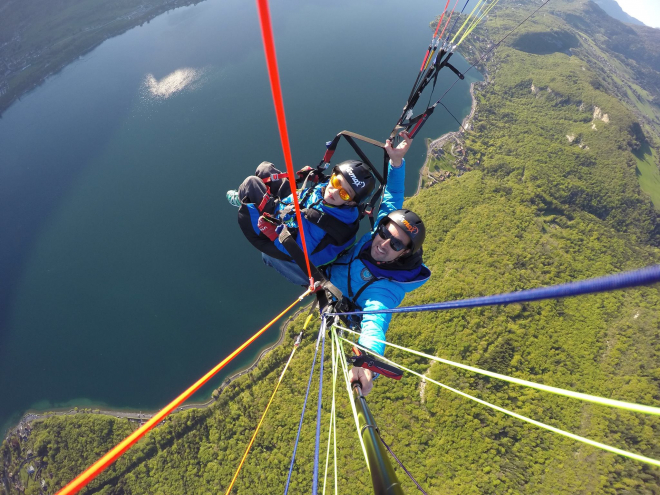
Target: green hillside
[564, 174]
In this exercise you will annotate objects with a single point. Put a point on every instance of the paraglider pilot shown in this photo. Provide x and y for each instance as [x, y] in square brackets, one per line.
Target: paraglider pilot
[384, 265]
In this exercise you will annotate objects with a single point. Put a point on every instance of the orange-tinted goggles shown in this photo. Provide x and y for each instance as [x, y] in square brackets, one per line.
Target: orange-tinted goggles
[343, 193]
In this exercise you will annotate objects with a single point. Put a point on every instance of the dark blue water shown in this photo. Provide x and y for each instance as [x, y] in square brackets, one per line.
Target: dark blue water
[123, 274]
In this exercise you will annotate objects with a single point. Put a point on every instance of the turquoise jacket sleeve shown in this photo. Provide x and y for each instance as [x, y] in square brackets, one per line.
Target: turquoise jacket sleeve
[393, 193]
[374, 326]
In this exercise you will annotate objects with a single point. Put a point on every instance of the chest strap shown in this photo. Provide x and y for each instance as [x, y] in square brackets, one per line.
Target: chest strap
[287, 240]
[353, 297]
[337, 232]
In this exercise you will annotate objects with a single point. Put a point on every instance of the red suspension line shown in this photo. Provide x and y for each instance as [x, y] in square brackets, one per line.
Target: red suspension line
[273, 75]
[428, 52]
[448, 19]
[440, 21]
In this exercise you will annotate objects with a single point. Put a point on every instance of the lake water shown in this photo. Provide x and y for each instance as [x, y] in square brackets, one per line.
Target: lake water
[123, 274]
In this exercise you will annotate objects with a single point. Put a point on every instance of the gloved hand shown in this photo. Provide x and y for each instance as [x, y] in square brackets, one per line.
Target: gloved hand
[267, 228]
[304, 172]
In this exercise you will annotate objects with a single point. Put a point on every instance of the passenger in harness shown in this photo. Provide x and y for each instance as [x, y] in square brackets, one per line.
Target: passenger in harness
[330, 208]
[384, 265]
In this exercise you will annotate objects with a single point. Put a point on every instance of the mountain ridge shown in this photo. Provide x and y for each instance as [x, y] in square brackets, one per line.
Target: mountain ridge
[613, 9]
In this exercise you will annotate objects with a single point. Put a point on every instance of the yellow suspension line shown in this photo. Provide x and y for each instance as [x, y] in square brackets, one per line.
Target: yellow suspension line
[247, 450]
[628, 406]
[473, 22]
[572, 436]
[475, 18]
[486, 12]
[340, 351]
[428, 60]
[466, 20]
[334, 424]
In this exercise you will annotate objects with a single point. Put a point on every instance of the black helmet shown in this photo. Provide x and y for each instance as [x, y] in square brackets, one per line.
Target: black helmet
[358, 176]
[411, 225]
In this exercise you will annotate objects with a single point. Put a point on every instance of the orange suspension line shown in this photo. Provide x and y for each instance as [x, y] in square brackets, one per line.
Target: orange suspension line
[95, 469]
[273, 75]
[247, 450]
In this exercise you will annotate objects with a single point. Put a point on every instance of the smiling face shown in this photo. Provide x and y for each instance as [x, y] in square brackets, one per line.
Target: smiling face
[381, 248]
[331, 195]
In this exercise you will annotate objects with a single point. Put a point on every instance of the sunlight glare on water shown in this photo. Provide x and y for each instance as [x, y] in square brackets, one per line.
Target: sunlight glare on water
[173, 83]
[123, 273]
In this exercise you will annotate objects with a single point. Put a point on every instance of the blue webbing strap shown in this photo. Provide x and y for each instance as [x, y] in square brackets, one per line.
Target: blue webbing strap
[302, 416]
[644, 276]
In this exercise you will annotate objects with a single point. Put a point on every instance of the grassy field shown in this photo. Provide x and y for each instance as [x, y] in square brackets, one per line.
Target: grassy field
[648, 174]
[444, 162]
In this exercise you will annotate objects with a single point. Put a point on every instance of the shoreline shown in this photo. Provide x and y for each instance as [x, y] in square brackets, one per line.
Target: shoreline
[24, 425]
[30, 417]
[456, 136]
[46, 64]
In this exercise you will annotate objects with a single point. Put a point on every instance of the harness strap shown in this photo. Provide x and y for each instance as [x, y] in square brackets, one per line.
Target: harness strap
[362, 289]
[264, 202]
[337, 232]
[274, 177]
[368, 209]
[298, 256]
[331, 146]
[349, 301]
[350, 136]
[363, 138]
[354, 297]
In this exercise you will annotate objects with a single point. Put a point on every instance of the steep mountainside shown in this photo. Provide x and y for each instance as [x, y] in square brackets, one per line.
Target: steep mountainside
[564, 126]
[613, 9]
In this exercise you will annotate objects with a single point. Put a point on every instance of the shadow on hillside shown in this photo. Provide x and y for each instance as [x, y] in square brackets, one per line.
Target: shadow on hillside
[644, 152]
[647, 173]
[545, 43]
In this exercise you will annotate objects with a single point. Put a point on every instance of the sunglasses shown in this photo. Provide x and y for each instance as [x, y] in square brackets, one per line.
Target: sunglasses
[336, 183]
[395, 243]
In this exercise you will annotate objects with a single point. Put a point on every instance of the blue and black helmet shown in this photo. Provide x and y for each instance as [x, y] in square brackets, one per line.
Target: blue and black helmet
[411, 224]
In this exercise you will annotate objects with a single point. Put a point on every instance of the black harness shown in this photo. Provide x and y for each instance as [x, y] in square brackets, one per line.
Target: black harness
[348, 303]
[337, 233]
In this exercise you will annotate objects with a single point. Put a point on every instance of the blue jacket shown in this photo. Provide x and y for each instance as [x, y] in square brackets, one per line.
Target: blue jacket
[313, 233]
[390, 286]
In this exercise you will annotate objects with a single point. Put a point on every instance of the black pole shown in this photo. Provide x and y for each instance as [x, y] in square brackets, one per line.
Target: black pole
[383, 478]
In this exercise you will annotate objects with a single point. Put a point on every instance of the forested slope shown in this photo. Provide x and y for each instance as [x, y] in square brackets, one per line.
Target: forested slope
[554, 196]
